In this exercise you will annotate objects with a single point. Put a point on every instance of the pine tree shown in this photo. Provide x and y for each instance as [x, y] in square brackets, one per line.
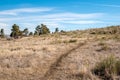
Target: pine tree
[56, 30]
[35, 33]
[25, 32]
[31, 33]
[44, 29]
[2, 33]
[41, 29]
[38, 30]
[15, 31]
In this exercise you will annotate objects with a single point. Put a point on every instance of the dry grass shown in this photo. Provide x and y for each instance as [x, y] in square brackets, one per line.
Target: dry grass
[32, 57]
[108, 69]
[29, 58]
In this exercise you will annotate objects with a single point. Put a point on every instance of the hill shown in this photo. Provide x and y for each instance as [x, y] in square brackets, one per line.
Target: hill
[69, 55]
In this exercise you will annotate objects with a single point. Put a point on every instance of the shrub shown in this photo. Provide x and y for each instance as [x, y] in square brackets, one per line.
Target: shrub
[108, 68]
[118, 67]
[56, 42]
[101, 43]
[104, 46]
[72, 41]
[44, 48]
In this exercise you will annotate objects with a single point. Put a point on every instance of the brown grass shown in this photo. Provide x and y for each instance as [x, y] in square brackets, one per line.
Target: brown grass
[31, 58]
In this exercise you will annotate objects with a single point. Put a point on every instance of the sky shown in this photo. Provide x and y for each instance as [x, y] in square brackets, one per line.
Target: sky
[63, 14]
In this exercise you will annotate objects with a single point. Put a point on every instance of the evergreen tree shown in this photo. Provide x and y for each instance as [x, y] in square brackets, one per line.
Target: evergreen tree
[25, 32]
[2, 33]
[41, 29]
[35, 33]
[15, 31]
[38, 30]
[56, 30]
[44, 29]
[31, 33]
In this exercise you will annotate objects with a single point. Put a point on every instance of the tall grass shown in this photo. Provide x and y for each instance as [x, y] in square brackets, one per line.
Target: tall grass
[108, 68]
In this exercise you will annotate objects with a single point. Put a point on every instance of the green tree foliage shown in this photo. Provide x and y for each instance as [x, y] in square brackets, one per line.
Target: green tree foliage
[41, 29]
[25, 32]
[35, 33]
[38, 30]
[62, 31]
[56, 30]
[2, 33]
[44, 29]
[31, 33]
[15, 31]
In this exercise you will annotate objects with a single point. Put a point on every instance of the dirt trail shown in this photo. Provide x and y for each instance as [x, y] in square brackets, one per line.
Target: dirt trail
[57, 63]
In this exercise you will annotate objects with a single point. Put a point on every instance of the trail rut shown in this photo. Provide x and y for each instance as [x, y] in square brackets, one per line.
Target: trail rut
[56, 64]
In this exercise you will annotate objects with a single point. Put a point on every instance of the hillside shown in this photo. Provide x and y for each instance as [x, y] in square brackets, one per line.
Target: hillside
[60, 56]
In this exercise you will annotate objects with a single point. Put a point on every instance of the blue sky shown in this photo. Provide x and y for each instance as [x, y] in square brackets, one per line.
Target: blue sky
[64, 14]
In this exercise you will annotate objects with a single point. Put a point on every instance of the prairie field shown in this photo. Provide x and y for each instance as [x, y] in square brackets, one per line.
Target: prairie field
[60, 56]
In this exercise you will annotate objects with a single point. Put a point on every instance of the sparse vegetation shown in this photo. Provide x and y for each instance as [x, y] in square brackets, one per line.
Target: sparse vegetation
[56, 30]
[107, 30]
[69, 54]
[104, 46]
[41, 29]
[31, 34]
[108, 68]
[2, 34]
[15, 31]
[25, 32]
[72, 41]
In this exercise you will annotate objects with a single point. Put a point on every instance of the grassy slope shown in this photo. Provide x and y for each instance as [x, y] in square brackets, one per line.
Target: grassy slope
[33, 58]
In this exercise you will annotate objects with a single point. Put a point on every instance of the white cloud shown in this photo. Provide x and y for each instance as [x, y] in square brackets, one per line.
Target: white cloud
[31, 25]
[52, 24]
[24, 10]
[109, 5]
[3, 25]
[52, 20]
[83, 22]
[73, 15]
[105, 5]
[54, 17]
[4, 19]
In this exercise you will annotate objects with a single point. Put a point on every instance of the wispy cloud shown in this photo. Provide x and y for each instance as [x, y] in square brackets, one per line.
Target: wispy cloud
[56, 17]
[3, 25]
[109, 5]
[24, 10]
[51, 19]
[83, 22]
[73, 15]
[104, 5]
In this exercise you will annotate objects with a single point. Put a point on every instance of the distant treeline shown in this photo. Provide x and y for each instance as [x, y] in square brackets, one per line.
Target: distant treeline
[43, 29]
[17, 33]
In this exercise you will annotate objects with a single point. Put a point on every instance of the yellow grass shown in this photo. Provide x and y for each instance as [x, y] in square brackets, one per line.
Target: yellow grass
[31, 58]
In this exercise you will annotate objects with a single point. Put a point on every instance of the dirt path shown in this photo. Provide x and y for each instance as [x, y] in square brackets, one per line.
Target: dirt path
[57, 63]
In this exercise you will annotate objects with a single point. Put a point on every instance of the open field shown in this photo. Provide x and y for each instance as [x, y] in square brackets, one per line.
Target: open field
[60, 56]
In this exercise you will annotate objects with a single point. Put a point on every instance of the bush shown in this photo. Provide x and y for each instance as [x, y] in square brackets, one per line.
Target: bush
[104, 46]
[72, 41]
[108, 68]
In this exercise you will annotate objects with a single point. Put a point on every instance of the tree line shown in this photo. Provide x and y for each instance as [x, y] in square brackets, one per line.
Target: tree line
[17, 33]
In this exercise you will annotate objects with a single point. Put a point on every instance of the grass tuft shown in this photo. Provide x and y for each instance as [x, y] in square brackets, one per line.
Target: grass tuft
[108, 68]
